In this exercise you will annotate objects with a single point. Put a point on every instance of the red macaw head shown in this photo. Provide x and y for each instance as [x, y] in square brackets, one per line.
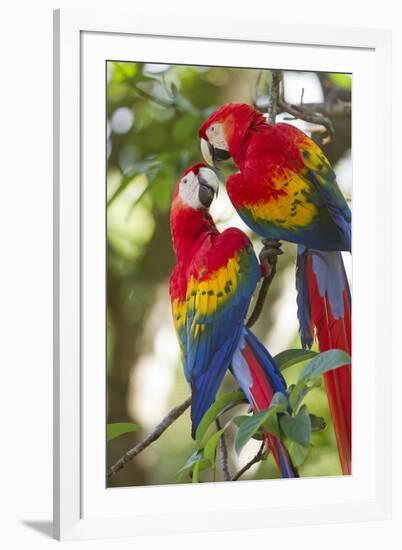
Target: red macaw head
[196, 188]
[223, 133]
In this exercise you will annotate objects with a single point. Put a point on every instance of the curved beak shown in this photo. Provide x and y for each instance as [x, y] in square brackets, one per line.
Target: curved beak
[207, 151]
[208, 186]
[212, 154]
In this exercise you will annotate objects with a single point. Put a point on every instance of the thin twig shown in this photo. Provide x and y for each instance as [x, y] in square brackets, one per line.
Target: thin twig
[266, 283]
[139, 91]
[150, 97]
[153, 436]
[258, 457]
[309, 116]
[223, 451]
[328, 109]
[340, 108]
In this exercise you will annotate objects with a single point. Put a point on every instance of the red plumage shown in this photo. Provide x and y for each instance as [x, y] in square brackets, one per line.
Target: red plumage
[286, 189]
[265, 381]
[262, 394]
[199, 246]
[335, 334]
[211, 288]
[260, 390]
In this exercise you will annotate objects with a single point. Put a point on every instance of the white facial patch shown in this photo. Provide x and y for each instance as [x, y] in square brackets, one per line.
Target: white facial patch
[216, 136]
[190, 186]
[188, 191]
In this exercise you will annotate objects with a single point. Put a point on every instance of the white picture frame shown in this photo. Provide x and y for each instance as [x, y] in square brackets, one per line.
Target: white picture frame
[83, 507]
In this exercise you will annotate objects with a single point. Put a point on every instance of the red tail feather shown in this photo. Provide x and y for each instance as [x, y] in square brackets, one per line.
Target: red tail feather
[261, 395]
[260, 390]
[335, 334]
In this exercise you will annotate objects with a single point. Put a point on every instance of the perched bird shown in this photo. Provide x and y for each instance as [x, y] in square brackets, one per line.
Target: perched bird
[286, 189]
[210, 288]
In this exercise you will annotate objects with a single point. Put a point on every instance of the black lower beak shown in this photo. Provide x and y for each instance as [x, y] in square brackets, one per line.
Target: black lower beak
[206, 193]
[218, 154]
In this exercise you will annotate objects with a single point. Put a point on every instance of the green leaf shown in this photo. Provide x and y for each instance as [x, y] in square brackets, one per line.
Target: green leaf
[299, 391]
[317, 423]
[297, 394]
[298, 454]
[210, 446]
[279, 402]
[297, 428]
[120, 428]
[202, 458]
[185, 105]
[239, 420]
[192, 461]
[233, 404]
[272, 425]
[196, 473]
[214, 411]
[291, 357]
[248, 428]
[324, 362]
[148, 167]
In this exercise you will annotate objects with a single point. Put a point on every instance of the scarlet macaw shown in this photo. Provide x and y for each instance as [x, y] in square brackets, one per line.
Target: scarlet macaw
[286, 189]
[210, 288]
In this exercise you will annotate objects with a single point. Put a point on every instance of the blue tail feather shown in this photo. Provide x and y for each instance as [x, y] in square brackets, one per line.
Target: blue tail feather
[303, 299]
[275, 378]
[275, 382]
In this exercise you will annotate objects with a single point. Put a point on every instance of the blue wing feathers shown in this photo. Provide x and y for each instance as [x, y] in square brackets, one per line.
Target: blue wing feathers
[206, 383]
[212, 339]
[337, 207]
[276, 383]
[303, 299]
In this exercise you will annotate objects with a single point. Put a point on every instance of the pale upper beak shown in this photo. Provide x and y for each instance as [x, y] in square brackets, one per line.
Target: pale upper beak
[213, 154]
[207, 151]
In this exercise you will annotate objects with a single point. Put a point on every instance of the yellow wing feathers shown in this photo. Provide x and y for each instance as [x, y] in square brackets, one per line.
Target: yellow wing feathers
[204, 297]
[291, 209]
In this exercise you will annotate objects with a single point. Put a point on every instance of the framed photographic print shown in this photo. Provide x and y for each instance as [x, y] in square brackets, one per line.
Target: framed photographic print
[204, 189]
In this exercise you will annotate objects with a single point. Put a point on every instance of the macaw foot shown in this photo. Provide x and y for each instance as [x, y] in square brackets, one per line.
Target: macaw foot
[269, 256]
[268, 259]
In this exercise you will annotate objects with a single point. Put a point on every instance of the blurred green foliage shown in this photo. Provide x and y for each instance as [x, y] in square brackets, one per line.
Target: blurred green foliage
[154, 112]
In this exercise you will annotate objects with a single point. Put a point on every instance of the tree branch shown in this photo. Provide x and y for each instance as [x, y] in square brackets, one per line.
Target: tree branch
[328, 109]
[339, 108]
[274, 96]
[316, 113]
[150, 97]
[302, 113]
[153, 436]
[258, 457]
[266, 283]
[223, 453]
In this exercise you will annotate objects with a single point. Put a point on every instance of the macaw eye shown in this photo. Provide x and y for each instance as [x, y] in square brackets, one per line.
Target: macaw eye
[212, 128]
[185, 180]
